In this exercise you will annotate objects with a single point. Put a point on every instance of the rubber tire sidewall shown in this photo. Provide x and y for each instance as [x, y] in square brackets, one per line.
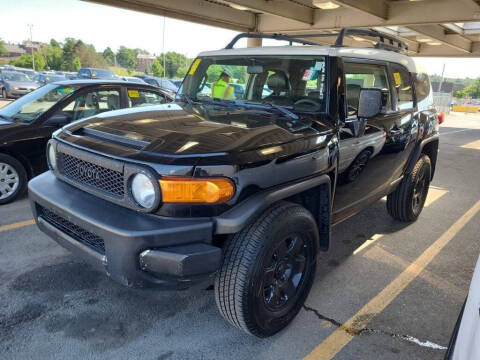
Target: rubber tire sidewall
[282, 218]
[22, 175]
[399, 203]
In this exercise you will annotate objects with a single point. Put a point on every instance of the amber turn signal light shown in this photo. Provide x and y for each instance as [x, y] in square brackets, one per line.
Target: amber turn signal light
[196, 190]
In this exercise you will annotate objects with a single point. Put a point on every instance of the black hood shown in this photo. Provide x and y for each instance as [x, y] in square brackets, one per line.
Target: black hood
[184, 131]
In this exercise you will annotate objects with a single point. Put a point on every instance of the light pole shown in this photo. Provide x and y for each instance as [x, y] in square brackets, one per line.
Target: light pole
[163, 50]
[31, 43]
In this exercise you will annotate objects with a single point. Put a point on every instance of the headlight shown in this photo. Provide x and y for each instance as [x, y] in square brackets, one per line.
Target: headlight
[143, 191]
[52, 159]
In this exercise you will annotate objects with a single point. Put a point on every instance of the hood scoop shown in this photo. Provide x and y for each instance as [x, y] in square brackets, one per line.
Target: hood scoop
[112, 138]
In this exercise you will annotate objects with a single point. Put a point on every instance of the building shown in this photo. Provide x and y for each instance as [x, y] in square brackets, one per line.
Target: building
[144, 62]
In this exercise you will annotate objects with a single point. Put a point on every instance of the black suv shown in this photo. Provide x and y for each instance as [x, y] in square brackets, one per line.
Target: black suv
[244, 190]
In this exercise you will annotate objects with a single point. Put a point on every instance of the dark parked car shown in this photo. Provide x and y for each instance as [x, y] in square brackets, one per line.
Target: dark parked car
[92, 73]
[243, 192]
[161, 83]
[43, 79]
[15, 84]
[27, 123]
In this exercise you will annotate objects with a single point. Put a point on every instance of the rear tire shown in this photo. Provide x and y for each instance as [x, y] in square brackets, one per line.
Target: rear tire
[13, 179]
[267, 270]
[406, 202]
[4, 94]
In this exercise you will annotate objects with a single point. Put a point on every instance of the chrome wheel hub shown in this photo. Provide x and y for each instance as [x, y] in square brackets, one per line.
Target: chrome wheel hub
[9, 180]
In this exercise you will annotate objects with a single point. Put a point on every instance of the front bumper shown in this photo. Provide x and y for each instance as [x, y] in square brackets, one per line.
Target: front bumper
[135, 249]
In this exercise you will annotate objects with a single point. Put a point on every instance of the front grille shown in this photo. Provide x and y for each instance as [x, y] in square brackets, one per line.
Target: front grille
[87, 173]
[76, 232]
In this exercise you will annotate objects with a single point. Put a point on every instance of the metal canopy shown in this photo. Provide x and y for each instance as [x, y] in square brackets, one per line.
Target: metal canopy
[449, 28]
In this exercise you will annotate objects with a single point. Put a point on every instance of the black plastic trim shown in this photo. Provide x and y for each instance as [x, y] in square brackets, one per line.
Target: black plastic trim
[236, 218]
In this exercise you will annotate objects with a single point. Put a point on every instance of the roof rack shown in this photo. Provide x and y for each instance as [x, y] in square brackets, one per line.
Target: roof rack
[385, 41]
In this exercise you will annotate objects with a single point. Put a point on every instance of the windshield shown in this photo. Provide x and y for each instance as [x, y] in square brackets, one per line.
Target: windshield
[15, 76]
[280, 80]
[53, 78]
[29, 107]
[102, 73]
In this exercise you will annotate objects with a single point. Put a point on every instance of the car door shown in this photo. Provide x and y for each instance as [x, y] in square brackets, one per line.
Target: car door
[373, 161]
[91, 102]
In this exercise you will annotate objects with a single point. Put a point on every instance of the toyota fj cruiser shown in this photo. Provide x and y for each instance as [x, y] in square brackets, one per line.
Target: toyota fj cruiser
[244, 190]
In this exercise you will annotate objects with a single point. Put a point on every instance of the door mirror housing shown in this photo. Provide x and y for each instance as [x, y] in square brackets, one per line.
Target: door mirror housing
[372, 102]
[58, 120]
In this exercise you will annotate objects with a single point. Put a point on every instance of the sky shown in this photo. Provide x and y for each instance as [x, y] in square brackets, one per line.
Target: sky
[105, 26]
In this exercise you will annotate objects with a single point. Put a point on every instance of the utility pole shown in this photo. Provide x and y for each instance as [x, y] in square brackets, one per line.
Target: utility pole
[31, 43]
[163, 50]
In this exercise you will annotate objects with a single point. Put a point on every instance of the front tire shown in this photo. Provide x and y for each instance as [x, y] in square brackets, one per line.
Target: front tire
[267, 270]
[406, 202]
[13, 179]
[4, 94]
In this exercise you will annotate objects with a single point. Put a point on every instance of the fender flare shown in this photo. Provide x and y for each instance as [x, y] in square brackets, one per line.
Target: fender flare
[236, 218]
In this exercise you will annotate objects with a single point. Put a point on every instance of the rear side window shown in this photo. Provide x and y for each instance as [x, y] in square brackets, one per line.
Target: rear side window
[402, 84]
[138, 98]
[422, 87]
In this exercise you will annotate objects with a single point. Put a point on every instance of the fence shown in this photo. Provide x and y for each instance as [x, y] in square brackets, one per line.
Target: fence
[442, 102]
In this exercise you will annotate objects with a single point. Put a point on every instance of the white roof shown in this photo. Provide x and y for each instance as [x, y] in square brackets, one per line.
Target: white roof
[353, 52]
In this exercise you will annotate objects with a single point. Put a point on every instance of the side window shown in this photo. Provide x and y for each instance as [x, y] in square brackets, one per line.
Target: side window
[402, 84]
[92, 103]
[423, 89]
[358, 76]
[138, 98]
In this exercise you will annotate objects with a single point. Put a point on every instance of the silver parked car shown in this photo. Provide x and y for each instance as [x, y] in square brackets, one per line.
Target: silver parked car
[15, 84]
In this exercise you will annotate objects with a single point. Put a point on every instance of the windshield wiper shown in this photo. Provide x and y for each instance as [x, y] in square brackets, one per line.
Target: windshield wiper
[284, 111]
[187, 98]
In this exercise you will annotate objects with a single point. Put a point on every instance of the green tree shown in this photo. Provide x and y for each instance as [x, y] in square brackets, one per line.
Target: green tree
[181, 72]
[55, 43]
[127, 57]
[25, 61]
[472, 90]
[109, 56]
[3, 51]
[69, 48]
[173, 61]
[76, 64]
[53, 56]
[157, 67]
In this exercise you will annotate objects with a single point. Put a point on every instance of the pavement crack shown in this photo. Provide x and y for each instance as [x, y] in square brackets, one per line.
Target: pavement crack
[368, 331]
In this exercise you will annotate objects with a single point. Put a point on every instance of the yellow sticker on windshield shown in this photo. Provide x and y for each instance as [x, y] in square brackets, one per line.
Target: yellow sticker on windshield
[194, 67]
[398, 78]
[133, 93]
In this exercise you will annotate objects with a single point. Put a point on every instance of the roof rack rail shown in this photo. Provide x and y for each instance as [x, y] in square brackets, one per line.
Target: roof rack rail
[400, 46]
[386, 41]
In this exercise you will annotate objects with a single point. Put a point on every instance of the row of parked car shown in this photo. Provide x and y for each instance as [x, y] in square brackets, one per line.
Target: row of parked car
[16, 82]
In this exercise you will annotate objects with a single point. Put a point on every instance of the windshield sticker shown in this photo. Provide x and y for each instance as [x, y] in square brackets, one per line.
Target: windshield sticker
[65, 90]
[194, 67]
[94, 74]
[398, 78]
[133, 93]
[319, 65]
[308, 74]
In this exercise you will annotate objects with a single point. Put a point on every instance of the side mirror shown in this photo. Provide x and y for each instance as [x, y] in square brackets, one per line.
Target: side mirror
[371, 102]
[58, 120]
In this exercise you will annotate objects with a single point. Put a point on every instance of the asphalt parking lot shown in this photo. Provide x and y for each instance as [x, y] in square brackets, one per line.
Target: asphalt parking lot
[397, 289]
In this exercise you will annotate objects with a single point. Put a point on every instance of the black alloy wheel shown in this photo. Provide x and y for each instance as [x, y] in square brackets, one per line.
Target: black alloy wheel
[268, 269]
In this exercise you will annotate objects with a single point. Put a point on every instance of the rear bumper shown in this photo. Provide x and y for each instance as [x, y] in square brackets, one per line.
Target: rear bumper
[135, 249]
